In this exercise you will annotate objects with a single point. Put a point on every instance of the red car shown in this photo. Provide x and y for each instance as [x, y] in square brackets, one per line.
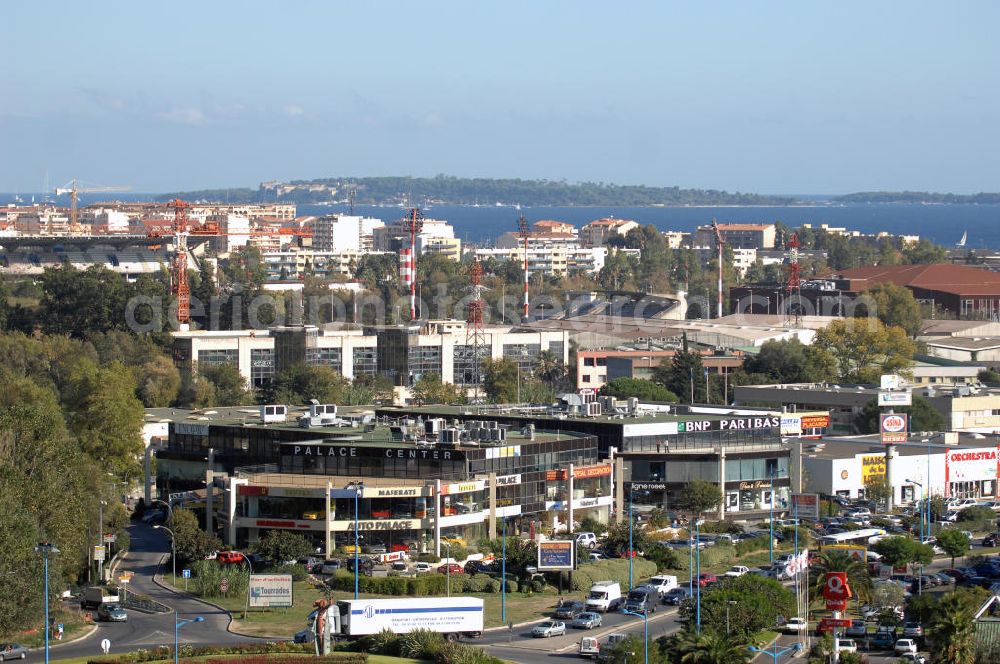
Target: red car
[705, 579]
[398, 547]
[229, 557]
[454, 568]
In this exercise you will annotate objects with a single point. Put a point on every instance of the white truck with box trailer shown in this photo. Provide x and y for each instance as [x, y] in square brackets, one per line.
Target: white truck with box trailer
[454, 617]
[94, 596]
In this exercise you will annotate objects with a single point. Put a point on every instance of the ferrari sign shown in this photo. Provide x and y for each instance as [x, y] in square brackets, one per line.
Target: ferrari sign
[836, 592]
[893, 428]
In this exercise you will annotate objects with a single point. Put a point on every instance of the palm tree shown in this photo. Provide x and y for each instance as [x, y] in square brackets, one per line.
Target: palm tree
[953, 632]
[549, 368]
[832, 560]
[711, 647]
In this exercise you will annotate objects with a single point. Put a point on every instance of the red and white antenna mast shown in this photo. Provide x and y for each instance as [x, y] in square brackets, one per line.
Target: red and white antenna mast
[414, 222]
[794, 275]
[522, 229]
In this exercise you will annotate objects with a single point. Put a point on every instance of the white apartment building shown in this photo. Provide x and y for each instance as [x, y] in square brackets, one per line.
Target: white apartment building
[341, 232]
[297, 264]
[235, 232]
[597, 233]
[539, 241]
[435, 236]
[555, 261]
[110, 221]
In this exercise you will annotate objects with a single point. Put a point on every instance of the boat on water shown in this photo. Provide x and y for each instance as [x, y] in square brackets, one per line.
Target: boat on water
[965, 237]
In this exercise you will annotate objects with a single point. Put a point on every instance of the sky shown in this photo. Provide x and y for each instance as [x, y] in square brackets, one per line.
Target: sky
[770, 97]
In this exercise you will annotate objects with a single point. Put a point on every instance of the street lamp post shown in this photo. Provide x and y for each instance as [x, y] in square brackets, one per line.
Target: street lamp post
[776, 652]
[503, 575]
[358, 487]
[697, 546]
[46, 549]
[246, 606]
[645, 629]
[728, 604]
[630, 552]
[923, 532]
[447, 567]
[173, 549]
[177, 627]
[100, 538]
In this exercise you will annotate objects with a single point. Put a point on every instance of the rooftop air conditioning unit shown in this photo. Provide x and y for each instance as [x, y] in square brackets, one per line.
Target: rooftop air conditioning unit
[317, 409]
[594, 409]
[501, 435]
[273, 413]
[451, 436]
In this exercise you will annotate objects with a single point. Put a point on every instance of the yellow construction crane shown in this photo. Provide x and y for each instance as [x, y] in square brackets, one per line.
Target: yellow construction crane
[74, 190]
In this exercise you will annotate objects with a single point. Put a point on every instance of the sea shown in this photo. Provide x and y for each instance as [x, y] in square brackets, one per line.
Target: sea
[481, 225]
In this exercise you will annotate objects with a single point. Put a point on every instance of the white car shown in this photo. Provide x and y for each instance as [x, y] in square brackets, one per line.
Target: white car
[905, 645]
[549, 628]
[588, 540]
[423, 567]
[913, 658]
[846, 645]
[737, 570]
[795, 626]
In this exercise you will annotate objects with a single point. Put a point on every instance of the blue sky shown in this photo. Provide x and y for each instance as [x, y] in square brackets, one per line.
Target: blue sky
[773, 97]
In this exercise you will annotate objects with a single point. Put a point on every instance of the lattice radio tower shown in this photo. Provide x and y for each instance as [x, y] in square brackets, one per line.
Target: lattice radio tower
[414, 222]
[794, 276]
[475, 336]
[179, 287]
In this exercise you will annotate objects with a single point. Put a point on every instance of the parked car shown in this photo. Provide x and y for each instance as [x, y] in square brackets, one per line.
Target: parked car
[991, 540]
[12, 651]
[375, 548]
[913, 658]
[311, 563]
[706, 579]
[477, 567]
[883, 640]
[111, 613]
[737, 570]
[548, 629]
[588, 540]
[570, 609]
[795, 626]
[329, 566]
[663, 583]
[676, 596]
[587, 620]
[153, 516]
[913, 630]
[423, 567]
[944, 579]
[905, 645]
[304, 636]
[847, 645]
[858, 629]
[450, 568]
[595, 556]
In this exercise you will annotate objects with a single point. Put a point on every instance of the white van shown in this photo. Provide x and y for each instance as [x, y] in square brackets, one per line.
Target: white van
[662, 583]
[605, 596]
[590, 647]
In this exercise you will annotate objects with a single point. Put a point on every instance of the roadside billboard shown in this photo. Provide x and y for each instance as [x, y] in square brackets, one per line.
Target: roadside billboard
[270, 590]
[836, 592]
[890, 399]
[805, 505]
[893, 428]
[556, 555]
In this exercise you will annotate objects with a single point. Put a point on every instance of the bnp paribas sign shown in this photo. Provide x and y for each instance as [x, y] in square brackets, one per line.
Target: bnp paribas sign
[730, 424]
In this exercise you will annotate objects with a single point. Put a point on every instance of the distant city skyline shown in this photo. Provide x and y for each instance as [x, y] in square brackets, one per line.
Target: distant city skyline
[774, 97]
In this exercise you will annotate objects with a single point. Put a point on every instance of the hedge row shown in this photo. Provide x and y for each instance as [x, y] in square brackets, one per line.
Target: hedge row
[428, 585]
[612, 570]
[187, 651]
[424, 645]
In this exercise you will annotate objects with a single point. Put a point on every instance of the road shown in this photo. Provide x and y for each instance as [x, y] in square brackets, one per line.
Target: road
[142, 630]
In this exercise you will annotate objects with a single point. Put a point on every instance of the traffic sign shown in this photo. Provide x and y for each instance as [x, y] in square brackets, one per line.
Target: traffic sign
[110, 538]
[186, 573]
[224, 586]
[99, 553]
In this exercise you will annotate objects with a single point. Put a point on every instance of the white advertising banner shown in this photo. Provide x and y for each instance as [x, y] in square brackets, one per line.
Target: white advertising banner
[270, 590]
[971, 465]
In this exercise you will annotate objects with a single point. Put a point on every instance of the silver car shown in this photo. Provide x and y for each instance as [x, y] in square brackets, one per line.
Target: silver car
[587, 620]
[549, 628]
[12, 651]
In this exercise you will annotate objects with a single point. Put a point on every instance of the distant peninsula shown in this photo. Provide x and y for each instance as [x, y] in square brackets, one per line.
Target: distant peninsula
[912, 197]
[447, 190]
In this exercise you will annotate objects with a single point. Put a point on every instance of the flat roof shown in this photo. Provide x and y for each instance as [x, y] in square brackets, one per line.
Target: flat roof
[839, 447]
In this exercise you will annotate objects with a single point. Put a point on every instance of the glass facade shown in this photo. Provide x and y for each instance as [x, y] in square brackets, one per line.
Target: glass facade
[216, 357]
[423, 360]
[261, 366]
[365, 361]
[526, 355]
[327, 357]
[464, 365]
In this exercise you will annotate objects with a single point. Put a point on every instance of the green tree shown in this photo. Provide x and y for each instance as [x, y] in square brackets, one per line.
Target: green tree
[712, 647]
[832, 560]
[300, 382]
[159, 382]
[923, 416]
[683, 374]
[699, 496]
[865, 348]
[229, 386]
[895, 305]
[430, 389]
[952, 634]
[80, 302]
[190, 541]
[644, 390]
[521, 553]
[791, 361]
[899, 551]
[106, 416]
[989, 376]
[752, 604]
[954, 543]
[616, 543]
[549, 369]
[877, 488]
[282, 546]
[500, 379]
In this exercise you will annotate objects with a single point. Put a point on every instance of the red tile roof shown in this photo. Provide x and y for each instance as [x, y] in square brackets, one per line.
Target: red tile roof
[943, 277]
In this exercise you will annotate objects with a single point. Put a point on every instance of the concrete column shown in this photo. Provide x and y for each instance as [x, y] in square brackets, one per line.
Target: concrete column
[232, 500]
[569, 502]
[492, 486]
[722, 481]
[619, 504]
[328, 541]
[209, 490]
[890, 455]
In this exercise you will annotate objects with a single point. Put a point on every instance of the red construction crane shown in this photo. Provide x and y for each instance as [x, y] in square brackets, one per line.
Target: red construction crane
[719, 242]
[178, 270]
[522, 229]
